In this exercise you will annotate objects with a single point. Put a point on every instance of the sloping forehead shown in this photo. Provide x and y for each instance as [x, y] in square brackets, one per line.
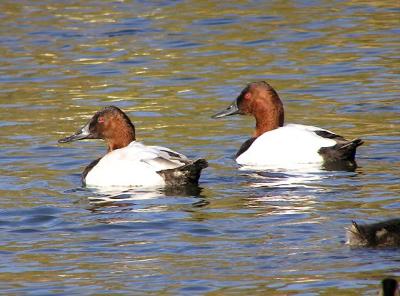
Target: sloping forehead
[108, 111]
[98, 114]
[254, 85]
[259, 84]
[242, 93]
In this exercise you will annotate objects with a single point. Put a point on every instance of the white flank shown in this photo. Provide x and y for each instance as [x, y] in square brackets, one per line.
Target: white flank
[286, 147]
[134, 165]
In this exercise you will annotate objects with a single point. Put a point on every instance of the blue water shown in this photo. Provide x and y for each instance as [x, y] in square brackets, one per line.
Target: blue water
[171, 65]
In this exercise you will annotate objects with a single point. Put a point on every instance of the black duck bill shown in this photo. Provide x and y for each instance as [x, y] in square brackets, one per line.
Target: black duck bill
[83, 133]
[233, 109]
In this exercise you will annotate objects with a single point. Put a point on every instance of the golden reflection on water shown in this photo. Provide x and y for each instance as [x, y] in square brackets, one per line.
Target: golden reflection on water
[170, 67]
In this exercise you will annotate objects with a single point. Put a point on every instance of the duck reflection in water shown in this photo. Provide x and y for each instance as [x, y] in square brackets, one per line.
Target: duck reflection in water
[112, 200]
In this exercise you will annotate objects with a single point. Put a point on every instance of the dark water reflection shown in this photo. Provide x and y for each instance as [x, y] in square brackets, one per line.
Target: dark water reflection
[171, 65]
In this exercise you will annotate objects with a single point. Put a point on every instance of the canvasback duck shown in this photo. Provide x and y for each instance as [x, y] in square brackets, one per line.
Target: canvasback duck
[381, 234]
[283, 146]
[131, 163]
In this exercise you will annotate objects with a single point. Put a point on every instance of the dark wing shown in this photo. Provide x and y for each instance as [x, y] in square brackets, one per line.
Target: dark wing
[330, 135]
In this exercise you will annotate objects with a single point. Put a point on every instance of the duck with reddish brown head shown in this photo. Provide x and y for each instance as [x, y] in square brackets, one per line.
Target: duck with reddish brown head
[285, 146]
[131, 163]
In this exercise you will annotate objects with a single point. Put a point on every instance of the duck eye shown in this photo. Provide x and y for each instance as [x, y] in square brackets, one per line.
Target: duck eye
[247, 96]
[100, 119]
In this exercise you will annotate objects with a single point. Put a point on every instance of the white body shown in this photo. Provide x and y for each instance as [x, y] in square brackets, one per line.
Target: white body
[286, 147]
[134, 165]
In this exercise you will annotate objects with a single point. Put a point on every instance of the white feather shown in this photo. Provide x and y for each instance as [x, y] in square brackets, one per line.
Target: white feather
[134, 165]
[286, 146]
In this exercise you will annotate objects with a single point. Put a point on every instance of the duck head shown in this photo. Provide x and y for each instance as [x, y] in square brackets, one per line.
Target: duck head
[260, 100]
[110, 124]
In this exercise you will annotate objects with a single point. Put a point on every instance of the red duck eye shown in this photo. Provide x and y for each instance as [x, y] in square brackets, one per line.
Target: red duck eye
[247, 96]
[100, 119]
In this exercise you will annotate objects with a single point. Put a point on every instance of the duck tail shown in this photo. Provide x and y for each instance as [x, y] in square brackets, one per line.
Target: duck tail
[187, 174]
[355, 228]
[341, 152]
[355, 236]
[350, 147]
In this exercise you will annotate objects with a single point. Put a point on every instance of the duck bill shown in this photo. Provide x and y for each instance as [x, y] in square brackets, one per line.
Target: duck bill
[231, 110]
[81, 134]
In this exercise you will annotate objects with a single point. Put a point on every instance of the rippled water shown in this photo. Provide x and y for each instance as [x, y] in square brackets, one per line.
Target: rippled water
[170, 65]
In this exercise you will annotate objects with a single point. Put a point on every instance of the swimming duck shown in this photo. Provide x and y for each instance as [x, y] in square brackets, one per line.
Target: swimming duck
[279, 145]
[390, 287]
[128, 162]
[381, 234]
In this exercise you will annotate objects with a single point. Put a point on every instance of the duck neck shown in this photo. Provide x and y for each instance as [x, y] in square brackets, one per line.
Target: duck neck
[121, 139]
[268, 117]
[113, 145]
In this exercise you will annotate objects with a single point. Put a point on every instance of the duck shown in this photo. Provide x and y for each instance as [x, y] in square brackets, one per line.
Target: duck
[285, 145]
[129, 162]
[385, 234]
[390, 287]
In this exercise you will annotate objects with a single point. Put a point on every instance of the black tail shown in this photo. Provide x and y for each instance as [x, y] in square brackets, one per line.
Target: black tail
[341, 152]
[355, 228]
[184, 175]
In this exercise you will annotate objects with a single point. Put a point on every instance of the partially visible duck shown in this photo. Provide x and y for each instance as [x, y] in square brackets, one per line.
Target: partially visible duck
[278, 145]
[381, 234]
[390, 287]
[131, 163]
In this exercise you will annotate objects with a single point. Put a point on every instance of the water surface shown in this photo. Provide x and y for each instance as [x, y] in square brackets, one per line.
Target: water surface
[170, 65]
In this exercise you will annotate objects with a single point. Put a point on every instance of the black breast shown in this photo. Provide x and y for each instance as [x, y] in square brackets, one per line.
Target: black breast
[246, 145]
[88, 169]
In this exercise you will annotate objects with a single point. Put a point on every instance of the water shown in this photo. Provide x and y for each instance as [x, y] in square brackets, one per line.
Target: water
[170, 65]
